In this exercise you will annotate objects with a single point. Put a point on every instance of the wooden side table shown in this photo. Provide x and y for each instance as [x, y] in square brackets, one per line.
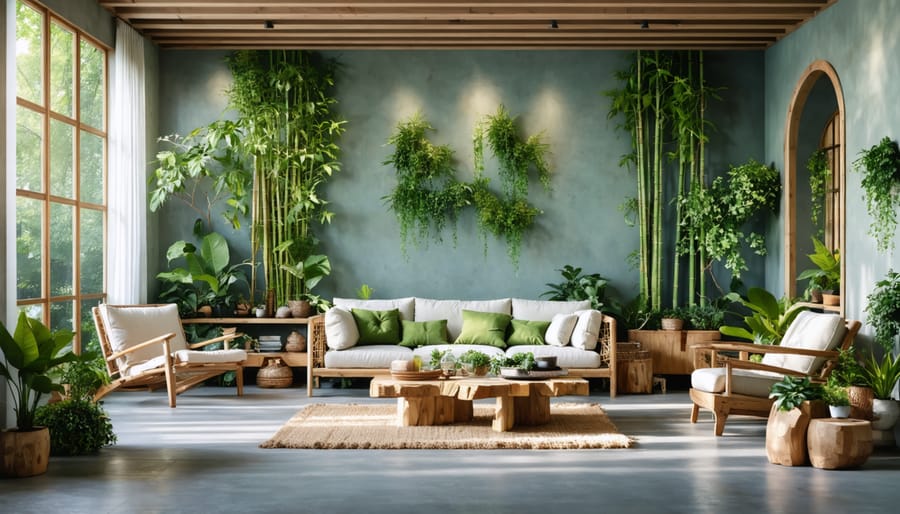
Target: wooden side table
[839, 443]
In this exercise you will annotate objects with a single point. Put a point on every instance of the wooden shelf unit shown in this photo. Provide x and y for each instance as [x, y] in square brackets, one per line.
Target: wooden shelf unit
[820, 306]
[259, 359]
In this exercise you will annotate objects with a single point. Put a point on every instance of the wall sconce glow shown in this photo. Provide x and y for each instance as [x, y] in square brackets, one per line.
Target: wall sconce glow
[406, 104]
[548, 109]
[480, 99]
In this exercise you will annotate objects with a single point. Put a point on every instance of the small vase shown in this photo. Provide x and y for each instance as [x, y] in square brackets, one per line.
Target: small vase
[295, 342]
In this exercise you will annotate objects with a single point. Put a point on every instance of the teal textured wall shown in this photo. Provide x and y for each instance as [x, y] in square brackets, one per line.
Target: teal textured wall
[860, 40]
[559, 93]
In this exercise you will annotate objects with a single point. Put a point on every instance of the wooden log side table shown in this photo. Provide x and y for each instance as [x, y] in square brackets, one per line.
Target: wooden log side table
[839, 443]
[441, 402]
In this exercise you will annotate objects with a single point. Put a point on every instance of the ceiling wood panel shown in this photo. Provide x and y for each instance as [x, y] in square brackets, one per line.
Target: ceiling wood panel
[500, 24]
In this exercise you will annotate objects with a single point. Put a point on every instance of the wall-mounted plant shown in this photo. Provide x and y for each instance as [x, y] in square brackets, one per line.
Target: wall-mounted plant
[427, 193]
[883, 310]
[880, 166]
[510, 215]
[819, 179]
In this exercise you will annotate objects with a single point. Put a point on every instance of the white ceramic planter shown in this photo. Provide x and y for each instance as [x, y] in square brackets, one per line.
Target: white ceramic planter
[839, 411]
[885, 413]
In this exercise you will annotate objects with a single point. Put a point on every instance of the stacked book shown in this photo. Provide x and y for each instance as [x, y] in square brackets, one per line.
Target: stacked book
[270, 343]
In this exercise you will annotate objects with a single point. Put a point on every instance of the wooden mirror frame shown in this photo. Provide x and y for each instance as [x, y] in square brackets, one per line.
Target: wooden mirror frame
[792, 131]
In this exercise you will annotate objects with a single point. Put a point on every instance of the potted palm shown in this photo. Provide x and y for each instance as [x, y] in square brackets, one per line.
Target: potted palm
[30, 353]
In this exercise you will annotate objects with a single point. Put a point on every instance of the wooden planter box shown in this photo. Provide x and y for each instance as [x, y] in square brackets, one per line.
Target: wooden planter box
[671, 350]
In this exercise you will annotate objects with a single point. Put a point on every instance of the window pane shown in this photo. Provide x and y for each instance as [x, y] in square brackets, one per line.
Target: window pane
[29, 137]
[92, 82]
[62, 69]
[89, 339]
[91, 227]
[61, 314]
[61, 256]
[91, 171]
[28, 248]
[62, 148]
[35, 311]
[29, 71]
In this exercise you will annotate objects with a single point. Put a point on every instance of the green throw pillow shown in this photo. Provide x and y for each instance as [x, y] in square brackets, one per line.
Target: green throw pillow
[377, 327]
[524, 332]
[483, 328]
[423, 333]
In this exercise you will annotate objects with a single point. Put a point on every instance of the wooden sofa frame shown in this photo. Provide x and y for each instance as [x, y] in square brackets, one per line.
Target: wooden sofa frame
[606, 344]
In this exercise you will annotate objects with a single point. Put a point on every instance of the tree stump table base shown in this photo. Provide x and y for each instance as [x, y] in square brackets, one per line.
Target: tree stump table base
[442, 402]
[839, 443]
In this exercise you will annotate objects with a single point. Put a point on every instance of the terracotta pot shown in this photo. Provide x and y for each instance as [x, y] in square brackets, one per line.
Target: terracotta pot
[831, 299]
[815, 296]
[24, 453]
[205, 311]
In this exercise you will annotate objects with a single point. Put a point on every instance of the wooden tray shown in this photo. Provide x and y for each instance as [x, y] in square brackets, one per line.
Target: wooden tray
[415, 375]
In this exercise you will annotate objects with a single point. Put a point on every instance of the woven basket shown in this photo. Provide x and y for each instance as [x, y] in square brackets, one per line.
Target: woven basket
[275, 375]
[671, 323]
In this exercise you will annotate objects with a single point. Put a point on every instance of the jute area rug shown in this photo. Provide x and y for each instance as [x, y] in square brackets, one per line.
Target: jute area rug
[353, 426]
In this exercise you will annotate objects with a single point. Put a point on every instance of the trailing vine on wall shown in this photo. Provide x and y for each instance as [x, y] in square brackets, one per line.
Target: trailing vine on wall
[428, 195]
[819, 178]
[880, 166]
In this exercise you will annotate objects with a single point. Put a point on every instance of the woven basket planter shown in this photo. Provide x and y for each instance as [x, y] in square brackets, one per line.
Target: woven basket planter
[275, 375]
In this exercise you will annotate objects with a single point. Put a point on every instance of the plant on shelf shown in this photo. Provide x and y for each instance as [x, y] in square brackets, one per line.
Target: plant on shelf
[792, 391]
[577, 286]
[311, 271]
[826, 276]
[883, 310]
[819, 180]
[768, 319]
[427, 193]
[880, 166]
[207, 279]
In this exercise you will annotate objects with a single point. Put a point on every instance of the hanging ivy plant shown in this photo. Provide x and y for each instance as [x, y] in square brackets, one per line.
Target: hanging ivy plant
[819, 177]
[508, 216]
[880, 166]
[427, 193]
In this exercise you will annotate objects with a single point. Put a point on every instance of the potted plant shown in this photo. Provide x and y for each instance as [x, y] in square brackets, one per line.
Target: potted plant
[672, 319]
[850, 374]
[882, 376]
[578, 286]
[880, 166]
[475, 363]
[311, 271]
[768, 319]
[524, 361]
[30, 354]
[837, 399]
[883, 310]
[795, 404]
[826, 276]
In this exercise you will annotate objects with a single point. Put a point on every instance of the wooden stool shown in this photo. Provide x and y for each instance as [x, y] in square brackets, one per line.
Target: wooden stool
[634, 371]
[839, 443]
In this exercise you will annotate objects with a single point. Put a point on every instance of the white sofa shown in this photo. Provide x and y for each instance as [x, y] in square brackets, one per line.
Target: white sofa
[590, 352]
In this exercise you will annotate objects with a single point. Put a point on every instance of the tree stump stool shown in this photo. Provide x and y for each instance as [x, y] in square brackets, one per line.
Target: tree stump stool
[634, 371]
[839, 443]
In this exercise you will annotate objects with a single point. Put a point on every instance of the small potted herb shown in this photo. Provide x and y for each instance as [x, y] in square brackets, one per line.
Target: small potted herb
[475, 363]
[672, 319]
[838, 400]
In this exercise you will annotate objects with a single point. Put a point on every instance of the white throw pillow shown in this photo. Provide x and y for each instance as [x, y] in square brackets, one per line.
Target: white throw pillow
[340, 329]
[587, 329]
[560, 330]
[544, 310]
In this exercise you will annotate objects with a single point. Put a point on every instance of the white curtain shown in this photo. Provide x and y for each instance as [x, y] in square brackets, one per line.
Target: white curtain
[127, 236]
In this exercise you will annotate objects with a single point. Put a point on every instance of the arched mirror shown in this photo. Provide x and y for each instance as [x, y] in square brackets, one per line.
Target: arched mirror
[815, 164]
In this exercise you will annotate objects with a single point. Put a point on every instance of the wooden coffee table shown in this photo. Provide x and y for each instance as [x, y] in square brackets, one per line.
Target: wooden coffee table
[441, 402]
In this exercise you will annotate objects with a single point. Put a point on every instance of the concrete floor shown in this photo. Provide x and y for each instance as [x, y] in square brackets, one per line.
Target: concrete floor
[203, 457]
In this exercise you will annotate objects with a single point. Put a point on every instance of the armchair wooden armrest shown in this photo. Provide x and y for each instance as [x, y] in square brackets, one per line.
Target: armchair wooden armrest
[164, 339]
[731, 364]
[766, 348]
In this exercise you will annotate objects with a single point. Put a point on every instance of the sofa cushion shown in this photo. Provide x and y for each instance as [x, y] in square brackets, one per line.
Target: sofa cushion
[451, 310]
[566, 356]
[423, 333]
[587, 329]
[377, 327]
[340, 329]
[811, 331]
[544, 310]
[488, 328]
[406, 306]
[367, 356]
[424, 352]
[128, 326]
[524, 332]
[743, 381]
[559, 333]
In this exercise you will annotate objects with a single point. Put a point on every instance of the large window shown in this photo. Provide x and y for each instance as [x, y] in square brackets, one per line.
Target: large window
[61, 91]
